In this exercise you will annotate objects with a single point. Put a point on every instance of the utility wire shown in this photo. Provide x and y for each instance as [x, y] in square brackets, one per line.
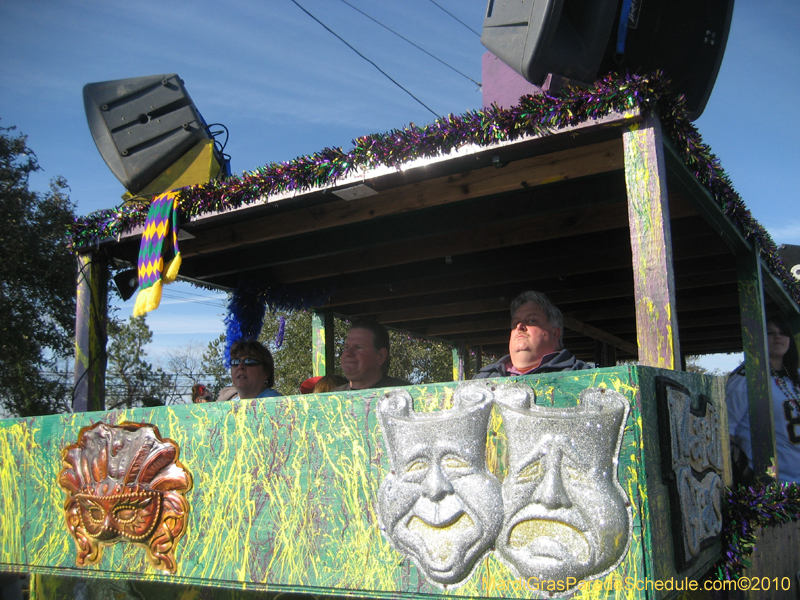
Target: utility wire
[168, 296]
[365, 58]
[194, 298]
[412, 43]
[456, 18]
[204, 295]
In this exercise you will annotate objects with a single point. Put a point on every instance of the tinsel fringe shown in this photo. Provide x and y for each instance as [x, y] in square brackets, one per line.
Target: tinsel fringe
[747, 509]
[147, 299]
[172, 268]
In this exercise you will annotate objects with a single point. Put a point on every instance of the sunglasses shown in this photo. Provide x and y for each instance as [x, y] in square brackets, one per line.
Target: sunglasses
[247, 362]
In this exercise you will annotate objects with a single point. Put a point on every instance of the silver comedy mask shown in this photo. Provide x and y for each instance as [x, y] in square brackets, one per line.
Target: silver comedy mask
[439, 505]
[566, 515]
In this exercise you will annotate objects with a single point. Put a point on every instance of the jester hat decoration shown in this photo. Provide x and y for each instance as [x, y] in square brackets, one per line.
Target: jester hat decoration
[159, 257]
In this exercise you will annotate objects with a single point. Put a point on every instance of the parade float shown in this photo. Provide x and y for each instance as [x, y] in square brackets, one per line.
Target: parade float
[604, 483]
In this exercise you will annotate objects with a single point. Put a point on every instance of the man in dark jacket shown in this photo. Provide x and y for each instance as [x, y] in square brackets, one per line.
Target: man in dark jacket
[535, 343]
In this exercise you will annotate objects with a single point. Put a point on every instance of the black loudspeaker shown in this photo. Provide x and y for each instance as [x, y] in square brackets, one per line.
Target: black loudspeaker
[142, 125]
[126, 282]
[790, 255]
[581, 40]
[537, 37]
[684, 38]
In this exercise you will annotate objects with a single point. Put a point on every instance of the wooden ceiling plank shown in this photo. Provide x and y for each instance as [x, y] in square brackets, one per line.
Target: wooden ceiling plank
[443, 310]
[494, 236]
[471, 326]
[426, 296]
[701, 198]
[539, 170]
[600, 335]
[545, 267]
[465, 218]
[497, 236]
[572, 262]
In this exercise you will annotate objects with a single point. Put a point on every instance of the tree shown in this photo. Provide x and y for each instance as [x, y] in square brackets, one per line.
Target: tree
[185, 366]
[37, 285]
[293, 359]
[130, 379]
[213, 366]
[693, 366]
[191, 364]
[419, 360]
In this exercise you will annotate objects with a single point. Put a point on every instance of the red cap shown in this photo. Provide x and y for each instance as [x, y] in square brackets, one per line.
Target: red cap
[308, 385]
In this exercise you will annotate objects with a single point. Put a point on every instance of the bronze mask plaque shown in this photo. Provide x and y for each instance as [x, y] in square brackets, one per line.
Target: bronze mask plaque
[124, 483]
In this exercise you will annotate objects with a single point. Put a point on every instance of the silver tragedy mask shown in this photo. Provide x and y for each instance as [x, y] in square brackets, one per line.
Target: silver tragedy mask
[566, 514]
[439, 505]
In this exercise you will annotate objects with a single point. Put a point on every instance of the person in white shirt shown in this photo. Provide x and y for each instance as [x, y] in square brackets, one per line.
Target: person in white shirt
[784, 363]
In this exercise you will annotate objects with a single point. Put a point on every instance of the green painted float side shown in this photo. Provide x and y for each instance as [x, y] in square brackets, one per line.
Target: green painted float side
[285, 490]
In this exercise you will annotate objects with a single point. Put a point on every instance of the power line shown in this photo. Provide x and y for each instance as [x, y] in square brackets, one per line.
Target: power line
[207, 302]
[197, 295]
[365, 58]
[456, 18]
[193, 297]
[412, 43]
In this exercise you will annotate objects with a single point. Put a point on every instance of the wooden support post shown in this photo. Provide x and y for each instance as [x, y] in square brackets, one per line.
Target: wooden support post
[756, 366]
[322, 338]
[651, 245]
[458, 362]
[794, 325]
[90, 334]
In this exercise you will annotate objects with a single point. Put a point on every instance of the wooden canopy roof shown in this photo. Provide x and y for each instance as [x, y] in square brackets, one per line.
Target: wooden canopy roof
[440, 246]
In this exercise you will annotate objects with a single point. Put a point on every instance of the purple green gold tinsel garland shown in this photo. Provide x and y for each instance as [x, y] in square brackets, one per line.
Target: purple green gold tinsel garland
[746, 510]
[534, 115]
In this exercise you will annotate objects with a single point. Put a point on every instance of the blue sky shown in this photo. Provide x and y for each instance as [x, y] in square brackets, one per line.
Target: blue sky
[285, 87]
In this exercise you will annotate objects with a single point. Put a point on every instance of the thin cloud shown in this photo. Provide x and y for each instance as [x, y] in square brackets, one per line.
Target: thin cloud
[786, 233]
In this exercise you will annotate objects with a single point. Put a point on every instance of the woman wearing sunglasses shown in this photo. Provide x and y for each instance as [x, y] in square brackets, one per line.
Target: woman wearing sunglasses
[252, 372]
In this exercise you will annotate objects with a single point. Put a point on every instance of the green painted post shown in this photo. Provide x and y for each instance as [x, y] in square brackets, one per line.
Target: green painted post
[651, 245]
[458, 363]
[794, 324]
[756, 365]
[322, 340]
[90, 334]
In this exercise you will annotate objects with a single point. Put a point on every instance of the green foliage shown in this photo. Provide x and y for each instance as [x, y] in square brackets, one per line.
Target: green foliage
[293, 358]
[693, 366]
[130, 379]
[215, 375]
[37, 285]
[420, 361]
